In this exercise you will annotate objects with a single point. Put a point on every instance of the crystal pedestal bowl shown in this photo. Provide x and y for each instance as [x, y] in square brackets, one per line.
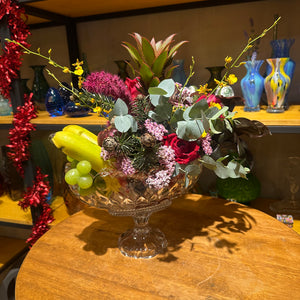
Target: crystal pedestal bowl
[125, 195]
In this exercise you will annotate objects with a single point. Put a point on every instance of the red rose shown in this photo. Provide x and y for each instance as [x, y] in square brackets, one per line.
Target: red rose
[185, 151]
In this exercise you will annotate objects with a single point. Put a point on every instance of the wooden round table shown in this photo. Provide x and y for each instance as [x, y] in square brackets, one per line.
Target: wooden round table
[216, 250]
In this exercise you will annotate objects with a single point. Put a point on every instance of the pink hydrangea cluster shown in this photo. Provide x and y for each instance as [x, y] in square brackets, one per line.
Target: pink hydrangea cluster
[107, 84]
[167, 158]
[159, 180]
[157, 130]
[206, 144]
[126, 166]
[105, 154]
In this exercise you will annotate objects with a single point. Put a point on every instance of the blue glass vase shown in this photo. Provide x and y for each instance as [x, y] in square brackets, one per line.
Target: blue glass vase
[54, 103]
[281, 48]
[178, 74]
[252, 85]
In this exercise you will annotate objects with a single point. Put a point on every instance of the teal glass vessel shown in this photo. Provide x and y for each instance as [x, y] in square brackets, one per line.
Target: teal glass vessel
[40, 87]
[252, 85]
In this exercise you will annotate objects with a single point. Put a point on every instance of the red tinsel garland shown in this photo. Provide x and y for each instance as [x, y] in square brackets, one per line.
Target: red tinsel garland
[36, 196]
[19, 135]
[10, 61]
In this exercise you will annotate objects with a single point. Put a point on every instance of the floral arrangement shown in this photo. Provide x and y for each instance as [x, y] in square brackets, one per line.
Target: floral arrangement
[156, 127]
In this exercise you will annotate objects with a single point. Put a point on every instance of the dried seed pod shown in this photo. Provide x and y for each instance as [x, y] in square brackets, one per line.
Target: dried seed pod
[148, 140]
[109, 144]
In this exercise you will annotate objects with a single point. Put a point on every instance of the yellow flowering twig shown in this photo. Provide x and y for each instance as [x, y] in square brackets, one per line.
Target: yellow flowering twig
[78, 68]
[231, 77]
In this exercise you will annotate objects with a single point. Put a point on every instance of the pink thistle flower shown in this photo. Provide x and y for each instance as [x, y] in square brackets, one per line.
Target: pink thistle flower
[157, 130]
[107, 84]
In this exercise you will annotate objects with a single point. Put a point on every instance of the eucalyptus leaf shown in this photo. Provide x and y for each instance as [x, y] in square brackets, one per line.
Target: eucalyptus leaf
[205, 122]
[193, 170]
[219, 113]
[176, 117]
[211, 112]
[228, 125]
[195, 111]
[186, 114]
[164, 111]
[134, 125]
[190, 130]
[123, 123]
[155, 99]
[120, 108]
[169, 86]
[156, 91]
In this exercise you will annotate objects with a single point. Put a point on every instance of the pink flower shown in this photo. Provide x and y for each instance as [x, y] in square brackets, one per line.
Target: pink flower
[133, 85]
[157, 130]
[210, 99]
[206, 146]
[126, 166]
[107, 84]
[160, 180]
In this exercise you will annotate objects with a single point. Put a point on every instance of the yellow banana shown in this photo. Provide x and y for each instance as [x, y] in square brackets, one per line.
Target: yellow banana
[82, 132]
[79, 148]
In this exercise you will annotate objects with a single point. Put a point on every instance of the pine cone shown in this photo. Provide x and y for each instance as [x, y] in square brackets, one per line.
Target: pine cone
[109, 144]
[148, 140]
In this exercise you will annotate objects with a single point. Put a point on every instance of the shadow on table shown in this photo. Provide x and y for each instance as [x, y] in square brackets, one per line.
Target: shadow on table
[212, 218]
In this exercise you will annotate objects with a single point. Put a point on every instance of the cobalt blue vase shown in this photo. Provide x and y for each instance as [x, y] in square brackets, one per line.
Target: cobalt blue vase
[54, 103]
[252, 85]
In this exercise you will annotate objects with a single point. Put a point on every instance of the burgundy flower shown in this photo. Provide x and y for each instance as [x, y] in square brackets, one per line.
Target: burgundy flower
[185, 151]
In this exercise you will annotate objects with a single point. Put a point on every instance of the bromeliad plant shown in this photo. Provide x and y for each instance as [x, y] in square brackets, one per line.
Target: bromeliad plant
[152, 59]
[156, 127]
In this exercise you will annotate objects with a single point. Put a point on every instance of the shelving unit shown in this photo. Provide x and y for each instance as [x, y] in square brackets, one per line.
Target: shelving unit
[286, 122]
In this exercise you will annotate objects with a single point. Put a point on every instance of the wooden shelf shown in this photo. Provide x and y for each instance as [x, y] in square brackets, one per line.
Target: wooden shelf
[286, 122]
[46, 122]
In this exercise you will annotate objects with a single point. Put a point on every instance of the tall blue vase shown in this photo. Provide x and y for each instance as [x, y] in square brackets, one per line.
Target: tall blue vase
[252, 85]
[281, 48]
[178, 74]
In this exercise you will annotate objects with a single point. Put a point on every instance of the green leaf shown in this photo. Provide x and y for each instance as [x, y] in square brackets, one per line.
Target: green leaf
[120, 108]
[170, 71]
[211, 112]
[155, 99]
[159, 64]
[197, 108]
[176, 117]
[133, 52]
[205, 122]
[169, 86]
[123, 123]
[174, 49]
[193, 170]
[228, 125]
[156, 91]
[164, 111]
[186, 114]
[220, 112]
[189, 130]
[148, 51]
[134, 126]
[146, 73]
[154, 82]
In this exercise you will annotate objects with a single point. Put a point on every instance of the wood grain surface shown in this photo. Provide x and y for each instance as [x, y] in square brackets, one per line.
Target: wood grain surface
[217, 250]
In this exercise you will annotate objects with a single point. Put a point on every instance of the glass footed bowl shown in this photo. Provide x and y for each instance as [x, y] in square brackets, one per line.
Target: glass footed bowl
[123, 195]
